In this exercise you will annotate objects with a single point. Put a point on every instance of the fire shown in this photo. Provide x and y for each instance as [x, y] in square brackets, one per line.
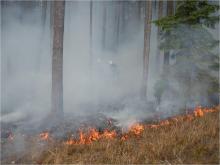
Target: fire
[124, 137]
[137, 129]
[91, 135]
[82, 138]
[198, 112]
[109, 134]
[70, 142]
[44, 135]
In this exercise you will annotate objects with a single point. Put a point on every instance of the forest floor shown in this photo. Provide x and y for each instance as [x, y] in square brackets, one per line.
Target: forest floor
[193, 141]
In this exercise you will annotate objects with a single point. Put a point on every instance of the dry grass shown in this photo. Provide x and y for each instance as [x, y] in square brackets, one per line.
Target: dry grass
[185, 142]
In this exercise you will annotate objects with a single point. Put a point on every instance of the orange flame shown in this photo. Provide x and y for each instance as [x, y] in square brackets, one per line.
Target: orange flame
[198, 112]
[44, 135]
[91, 135]
[109, 134]
[136, 129]
[124, 137]
[70, 142]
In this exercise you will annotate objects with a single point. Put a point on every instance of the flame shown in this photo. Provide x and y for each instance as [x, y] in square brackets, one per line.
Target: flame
[70, 142]
[91, 135]
[198, 112]
[109, 134]
[137, 128]
[124, 137]
[44, 135]
[82, 139]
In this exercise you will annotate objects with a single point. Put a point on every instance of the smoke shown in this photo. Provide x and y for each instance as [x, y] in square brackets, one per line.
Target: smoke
[26, 54]
[110, 86]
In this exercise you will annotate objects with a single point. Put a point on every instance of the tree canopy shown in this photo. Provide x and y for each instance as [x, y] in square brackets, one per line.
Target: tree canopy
[187, 33]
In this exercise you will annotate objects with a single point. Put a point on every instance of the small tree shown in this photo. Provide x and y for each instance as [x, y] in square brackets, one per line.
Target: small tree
[187, 34]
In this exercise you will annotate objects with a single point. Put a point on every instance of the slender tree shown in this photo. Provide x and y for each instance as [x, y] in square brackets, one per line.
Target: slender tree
[104, 25]
[118, 7]
[44, 12]
[160, 15]
[90, 36]
[139, 4]
[147, 33]
[167, 53]
[43, 6]
[57, 58]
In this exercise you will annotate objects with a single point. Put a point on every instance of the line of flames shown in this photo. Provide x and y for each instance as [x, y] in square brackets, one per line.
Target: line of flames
[136, 129]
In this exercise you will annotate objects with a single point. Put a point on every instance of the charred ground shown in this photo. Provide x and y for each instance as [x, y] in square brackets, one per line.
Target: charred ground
[184, 140]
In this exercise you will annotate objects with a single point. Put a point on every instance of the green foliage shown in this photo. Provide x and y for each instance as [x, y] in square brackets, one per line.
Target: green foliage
[188, 34]
[190, 12]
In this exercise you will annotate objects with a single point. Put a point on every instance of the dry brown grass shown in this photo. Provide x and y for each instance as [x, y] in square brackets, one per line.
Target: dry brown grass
[185, 142]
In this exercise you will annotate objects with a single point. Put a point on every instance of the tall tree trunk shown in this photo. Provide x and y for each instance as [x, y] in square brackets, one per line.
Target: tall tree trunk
[104, 25]
[118, 8]
[139, 11]
[57, 58]
[43, 5]
[160, 15]
[167, 53]
[90, 36]
[44, 12]
[123, 19]
[147, 33]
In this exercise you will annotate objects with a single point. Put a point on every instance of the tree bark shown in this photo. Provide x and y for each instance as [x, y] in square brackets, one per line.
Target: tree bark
[104, 25]
[147, 33]
[57, 58]
[160, 13]
[159, 52]
[118, 7]
[139, 11]
[169, 13]
[90, 37]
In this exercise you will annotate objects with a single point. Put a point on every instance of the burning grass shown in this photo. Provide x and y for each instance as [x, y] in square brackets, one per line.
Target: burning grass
[192, 138]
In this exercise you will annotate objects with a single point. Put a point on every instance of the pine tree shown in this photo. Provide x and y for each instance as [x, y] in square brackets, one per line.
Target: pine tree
[147, 33]
[187, 33]
[57, 58]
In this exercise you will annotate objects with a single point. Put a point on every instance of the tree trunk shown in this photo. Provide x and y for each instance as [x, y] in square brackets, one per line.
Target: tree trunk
[104, 25]
[139, 11]
[40, 59]
[118, 8]
[44, 12]
[90, 37]
[159, 52]
[147, 33]
[57, 58]
[167, 53]
[160, 14]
